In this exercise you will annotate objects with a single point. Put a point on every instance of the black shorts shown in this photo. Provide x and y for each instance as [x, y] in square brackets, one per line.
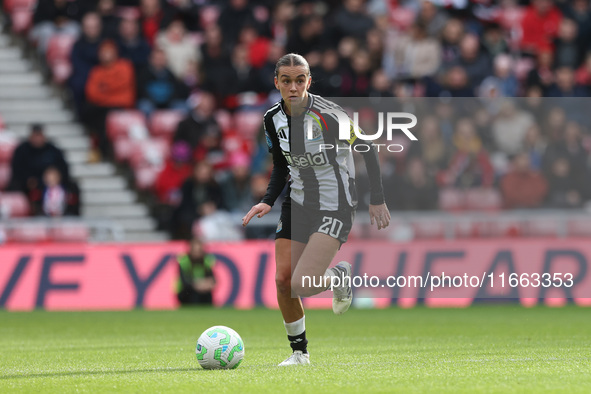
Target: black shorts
[298, 223]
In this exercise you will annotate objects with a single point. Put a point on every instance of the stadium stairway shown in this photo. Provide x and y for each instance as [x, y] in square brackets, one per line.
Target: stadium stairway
[26, 98]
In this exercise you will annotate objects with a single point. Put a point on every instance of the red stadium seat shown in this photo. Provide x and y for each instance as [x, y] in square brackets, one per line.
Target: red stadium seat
[58, 56]
[29, 232]
[145, 177]
[7, 146]
[69, 232]
[122, 148]
[61, 71]
[163, 123]
[13, 5]
[120, 122]
[22, 20]
[484, 199]
[4, 175]
[248, 123]
[14, 204]
[59, 47]
[148, 153]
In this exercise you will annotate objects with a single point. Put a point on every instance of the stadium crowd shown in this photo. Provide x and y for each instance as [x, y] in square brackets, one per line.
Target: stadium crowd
[211, 60]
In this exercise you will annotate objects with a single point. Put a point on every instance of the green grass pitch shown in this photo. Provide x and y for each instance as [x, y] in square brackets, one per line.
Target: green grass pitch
[480, 349]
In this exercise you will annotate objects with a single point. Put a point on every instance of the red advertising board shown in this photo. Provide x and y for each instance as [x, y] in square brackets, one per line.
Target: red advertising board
[126, 276]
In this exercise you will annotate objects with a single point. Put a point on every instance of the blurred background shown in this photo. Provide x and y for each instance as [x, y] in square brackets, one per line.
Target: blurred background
[142, 120]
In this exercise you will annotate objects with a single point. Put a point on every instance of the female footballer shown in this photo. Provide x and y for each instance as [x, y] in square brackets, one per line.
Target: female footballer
[318, 211]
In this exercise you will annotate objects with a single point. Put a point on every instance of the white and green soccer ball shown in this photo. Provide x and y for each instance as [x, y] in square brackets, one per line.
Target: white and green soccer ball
[219, 347]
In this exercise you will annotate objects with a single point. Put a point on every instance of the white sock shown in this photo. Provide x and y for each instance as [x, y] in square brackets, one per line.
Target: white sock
[295, 328]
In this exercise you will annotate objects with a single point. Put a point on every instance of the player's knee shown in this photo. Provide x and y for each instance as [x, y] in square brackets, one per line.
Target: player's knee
[283, 283]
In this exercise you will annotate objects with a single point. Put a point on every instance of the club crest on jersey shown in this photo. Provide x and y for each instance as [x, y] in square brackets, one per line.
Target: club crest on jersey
[313, 125]
[316, 133]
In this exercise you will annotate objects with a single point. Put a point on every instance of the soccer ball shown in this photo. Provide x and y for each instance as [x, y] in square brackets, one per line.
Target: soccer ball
[219, 347]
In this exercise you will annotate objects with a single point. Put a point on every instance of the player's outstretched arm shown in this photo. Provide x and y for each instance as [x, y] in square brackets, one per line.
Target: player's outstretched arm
[261, 209]
[380, 215]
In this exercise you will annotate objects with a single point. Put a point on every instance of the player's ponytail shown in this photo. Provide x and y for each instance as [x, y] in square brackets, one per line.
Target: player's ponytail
[292, 59]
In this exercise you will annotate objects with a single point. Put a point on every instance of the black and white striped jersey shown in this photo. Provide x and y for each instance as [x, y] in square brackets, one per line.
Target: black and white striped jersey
[321, 179]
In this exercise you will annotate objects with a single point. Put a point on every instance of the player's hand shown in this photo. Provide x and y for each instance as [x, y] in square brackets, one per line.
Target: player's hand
[380, 215]
[261, 209]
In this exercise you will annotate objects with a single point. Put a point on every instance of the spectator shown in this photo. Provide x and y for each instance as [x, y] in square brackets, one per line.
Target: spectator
[565, 192]
[236, 184]
[241, 77]
[216, 62]
[505, 76]
[432, 17]
[258, 187]
[32, 157]
[257, 45]
[375, 47]
[565, 85]
[351, 20]
[473, 60]
[567, 52]
[510, 127]
[327, 77]
[132, 46]
[84, 57]
[541, 75]
[493, 40]
[53, 17]
[199, 122]
[196, 279]
[380, 85]
[415, 55]
[152, 18]
[177, 169]
[356, 82]
[111, 85]
[420, 190]
[578, 11]
[233, 18]
[200, 196]
[450, 41]
[454, 83]
[470, 166]
[110, 20]
[189, 11]
[535, 146]
[181, 52]
[522, 186]
[431, 149]
[540, 26]
[158, 88]
[308, 38]
[55, 197]
[583, 74]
